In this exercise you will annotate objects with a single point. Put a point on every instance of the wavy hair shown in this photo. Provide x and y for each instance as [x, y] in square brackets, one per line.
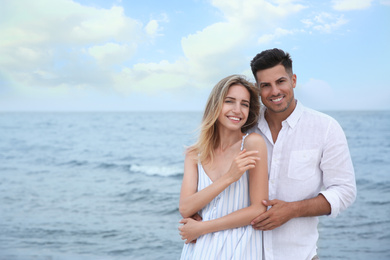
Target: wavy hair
[209, 136]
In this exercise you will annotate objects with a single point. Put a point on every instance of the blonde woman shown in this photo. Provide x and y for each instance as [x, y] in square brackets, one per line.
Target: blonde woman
[225, 177]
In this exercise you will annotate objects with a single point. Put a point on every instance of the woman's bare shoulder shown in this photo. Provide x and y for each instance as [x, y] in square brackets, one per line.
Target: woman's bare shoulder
[191, 154]
[253, 141]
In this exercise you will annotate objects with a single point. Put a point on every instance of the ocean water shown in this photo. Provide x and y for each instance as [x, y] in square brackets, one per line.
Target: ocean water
[106, 186]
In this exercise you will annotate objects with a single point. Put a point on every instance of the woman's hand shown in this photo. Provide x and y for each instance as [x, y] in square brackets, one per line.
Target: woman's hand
[243, 162]
[190, 230]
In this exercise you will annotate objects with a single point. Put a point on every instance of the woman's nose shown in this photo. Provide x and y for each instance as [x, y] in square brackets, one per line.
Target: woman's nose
[236, 108]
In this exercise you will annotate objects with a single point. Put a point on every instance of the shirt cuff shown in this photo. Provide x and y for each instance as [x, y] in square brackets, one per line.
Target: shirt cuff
[334, 202]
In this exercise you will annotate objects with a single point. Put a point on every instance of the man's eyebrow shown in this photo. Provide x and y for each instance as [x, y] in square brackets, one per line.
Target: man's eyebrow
[263, 83]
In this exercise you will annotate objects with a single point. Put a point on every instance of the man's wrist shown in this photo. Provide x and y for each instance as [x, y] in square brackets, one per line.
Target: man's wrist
[296, 209]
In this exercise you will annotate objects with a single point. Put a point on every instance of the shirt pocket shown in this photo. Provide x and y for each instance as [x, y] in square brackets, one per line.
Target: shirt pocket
[303, 164]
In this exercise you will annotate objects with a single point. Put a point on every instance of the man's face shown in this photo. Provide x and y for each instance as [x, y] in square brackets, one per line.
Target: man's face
[276, 89]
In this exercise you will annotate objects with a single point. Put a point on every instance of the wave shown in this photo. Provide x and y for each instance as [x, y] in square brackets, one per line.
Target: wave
[74, 163]
[164, 171]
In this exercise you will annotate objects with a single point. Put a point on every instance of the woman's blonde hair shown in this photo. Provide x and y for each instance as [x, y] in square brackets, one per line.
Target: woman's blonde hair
[209, 136]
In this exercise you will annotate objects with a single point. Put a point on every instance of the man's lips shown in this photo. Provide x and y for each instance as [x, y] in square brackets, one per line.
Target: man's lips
[277, 99]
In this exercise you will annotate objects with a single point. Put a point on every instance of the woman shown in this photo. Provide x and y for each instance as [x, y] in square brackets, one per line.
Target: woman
[225, 177]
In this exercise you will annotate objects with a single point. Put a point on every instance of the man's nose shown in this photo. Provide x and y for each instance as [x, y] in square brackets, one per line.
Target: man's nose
[274, 90]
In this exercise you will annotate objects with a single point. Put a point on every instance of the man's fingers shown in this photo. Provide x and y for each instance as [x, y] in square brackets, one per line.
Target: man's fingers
[266, 227]
[183, 221]
[263, 224]
[197, 217]
[269, 202]
[259, 219]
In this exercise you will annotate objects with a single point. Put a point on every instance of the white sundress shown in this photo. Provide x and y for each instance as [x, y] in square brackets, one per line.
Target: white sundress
[238, 243]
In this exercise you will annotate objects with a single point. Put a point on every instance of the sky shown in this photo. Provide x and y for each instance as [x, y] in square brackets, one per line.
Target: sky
[153, 55]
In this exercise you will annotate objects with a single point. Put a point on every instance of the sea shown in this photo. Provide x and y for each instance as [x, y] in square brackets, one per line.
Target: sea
[105, 186]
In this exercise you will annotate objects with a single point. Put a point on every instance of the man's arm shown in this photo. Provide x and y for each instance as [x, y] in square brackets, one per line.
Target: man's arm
[338, 180]
[281, 211]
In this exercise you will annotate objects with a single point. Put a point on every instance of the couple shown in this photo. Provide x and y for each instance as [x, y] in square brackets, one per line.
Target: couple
[257, 179]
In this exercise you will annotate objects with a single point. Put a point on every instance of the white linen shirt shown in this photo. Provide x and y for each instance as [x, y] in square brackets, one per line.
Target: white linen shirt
[310, 156]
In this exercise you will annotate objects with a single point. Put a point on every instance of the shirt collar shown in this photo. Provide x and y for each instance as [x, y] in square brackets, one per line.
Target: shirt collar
[292, 120]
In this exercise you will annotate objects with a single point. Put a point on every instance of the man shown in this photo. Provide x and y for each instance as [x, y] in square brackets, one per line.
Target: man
[309, 165]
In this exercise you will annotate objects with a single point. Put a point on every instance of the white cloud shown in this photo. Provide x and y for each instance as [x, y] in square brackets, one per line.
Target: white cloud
[152, 27]
[325, 22]
[279, 32]
[151, 77]
[260, 11]
[67, 44]
[346, 5]
[210, 53]
[65, 40]
[112, 53]
[218, 46]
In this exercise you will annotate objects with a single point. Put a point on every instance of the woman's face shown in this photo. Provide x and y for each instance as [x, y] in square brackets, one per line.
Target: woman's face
[235, 108]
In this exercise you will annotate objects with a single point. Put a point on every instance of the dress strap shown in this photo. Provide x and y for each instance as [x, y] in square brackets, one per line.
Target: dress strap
[242, 142]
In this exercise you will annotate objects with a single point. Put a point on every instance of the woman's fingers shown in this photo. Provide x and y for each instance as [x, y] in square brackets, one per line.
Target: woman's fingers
[245, 153]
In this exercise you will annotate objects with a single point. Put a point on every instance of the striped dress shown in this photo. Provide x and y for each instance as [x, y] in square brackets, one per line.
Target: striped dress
[238, 243]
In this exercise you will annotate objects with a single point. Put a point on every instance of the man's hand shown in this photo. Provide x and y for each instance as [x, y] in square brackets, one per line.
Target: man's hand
[190, 230]
[279, 213]
[197, 217]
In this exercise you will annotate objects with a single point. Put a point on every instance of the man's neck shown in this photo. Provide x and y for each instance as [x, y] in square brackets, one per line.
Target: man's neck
[275, 120]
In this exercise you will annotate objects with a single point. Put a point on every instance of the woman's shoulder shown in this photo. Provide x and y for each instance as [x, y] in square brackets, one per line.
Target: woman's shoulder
[191, 153]
[254, 137]
[253, 140]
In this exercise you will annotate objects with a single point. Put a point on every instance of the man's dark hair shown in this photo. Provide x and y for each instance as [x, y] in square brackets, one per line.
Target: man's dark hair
[271, 58]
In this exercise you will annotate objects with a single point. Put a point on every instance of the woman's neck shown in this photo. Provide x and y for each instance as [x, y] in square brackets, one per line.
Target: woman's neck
[228, 139]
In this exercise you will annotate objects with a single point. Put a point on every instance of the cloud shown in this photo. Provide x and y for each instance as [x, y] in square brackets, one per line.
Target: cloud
[347, 5]
[50, 43]
[264, 13]
[325, 22]
[210, 52]
[152, 77]
[111, 53]
[63, 44]
[279, 32]
[154, 28]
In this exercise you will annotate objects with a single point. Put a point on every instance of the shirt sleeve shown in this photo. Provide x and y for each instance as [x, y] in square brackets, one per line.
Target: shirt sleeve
[338, 173]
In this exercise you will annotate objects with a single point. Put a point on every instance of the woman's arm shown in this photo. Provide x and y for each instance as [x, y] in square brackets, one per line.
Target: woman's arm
[191, 200]
[258, 191]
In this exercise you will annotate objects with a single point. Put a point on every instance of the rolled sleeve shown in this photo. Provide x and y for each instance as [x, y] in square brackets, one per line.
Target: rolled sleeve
[338, 173]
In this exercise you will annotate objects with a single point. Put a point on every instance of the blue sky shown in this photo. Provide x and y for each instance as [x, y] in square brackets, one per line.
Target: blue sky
[90, 55]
